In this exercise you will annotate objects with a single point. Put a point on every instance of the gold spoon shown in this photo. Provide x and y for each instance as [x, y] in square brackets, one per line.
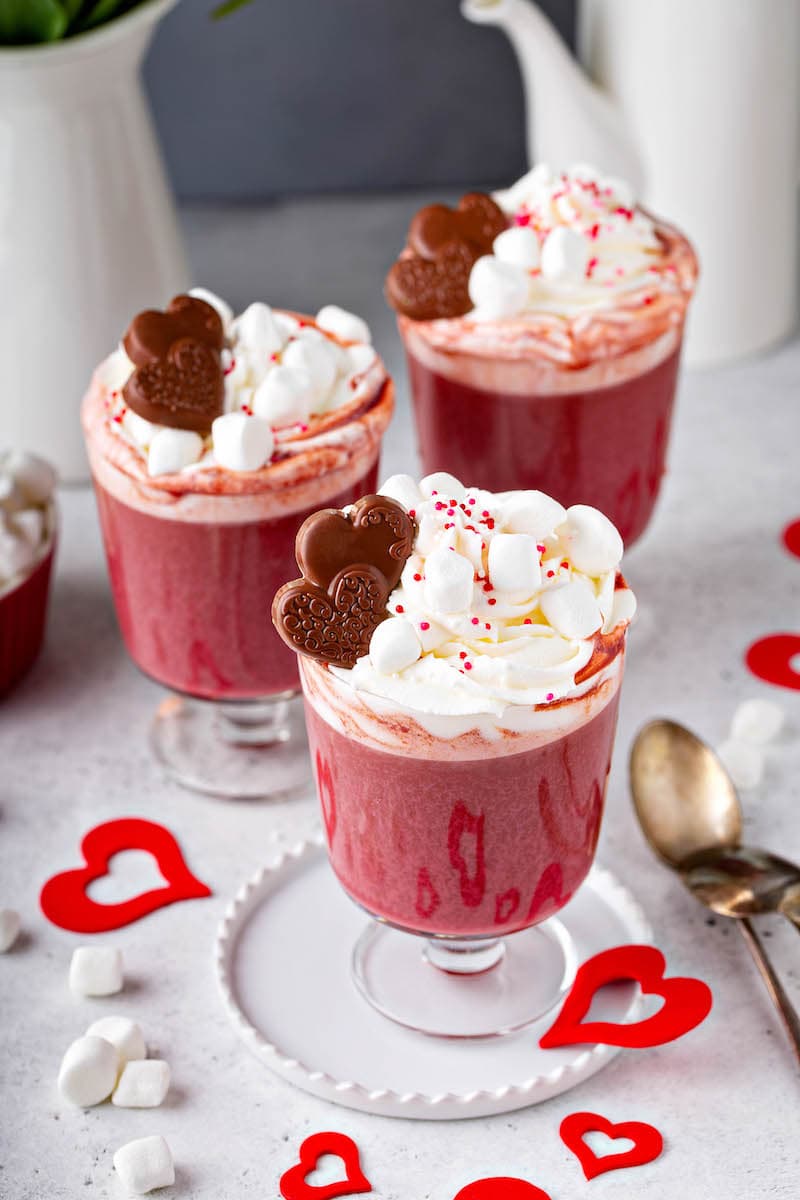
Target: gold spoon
[690, 814]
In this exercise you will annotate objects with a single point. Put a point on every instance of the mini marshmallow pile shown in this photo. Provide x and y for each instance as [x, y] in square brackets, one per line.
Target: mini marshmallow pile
[27, 484]
[577, 240]
[755, 723]
[10, 925]
[279, 373]
[500, 602]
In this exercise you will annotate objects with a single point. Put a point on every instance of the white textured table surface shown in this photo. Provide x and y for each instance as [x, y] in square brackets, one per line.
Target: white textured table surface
[73, 753]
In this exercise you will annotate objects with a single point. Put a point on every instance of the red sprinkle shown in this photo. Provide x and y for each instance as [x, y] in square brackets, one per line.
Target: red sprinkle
[467, 666]
[541, 549]
[488, 626]
[492, 601]
[417, 578]
[412, 512]
[527, 621]
[462, 654]
[424, 625]
[550, 574]
[399, 608]
[475, 621]
[549, 696]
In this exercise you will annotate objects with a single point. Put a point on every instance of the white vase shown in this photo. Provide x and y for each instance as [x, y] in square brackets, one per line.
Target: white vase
[88, 230]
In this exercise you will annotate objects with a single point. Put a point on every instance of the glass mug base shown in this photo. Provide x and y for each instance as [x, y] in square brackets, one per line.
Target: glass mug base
[243, 750]
[465, 988]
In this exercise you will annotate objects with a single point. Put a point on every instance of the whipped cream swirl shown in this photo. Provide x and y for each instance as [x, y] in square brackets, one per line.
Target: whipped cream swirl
[502, 602]
[27, 521]
[576, 242]
[280, 372]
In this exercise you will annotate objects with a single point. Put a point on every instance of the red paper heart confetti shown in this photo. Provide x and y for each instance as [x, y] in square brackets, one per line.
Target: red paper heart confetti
[64, 899]
[648, 1142]
[687, 1002]
[791, 538]
[502, 1187]
[294, 1185]
[772, 659]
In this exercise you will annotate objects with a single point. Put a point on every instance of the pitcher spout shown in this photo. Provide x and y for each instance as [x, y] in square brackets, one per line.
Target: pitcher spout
[569, 119]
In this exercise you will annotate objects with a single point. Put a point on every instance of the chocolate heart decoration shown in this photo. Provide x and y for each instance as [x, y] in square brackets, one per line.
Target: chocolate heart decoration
[376, 531]
[178, 378]
[426, 290]
[477, 220]
[64, 900]
[773, 658]
[687, 1002]
[501, 1187]
[648, 1142]
[335, 626]
[293, 1183]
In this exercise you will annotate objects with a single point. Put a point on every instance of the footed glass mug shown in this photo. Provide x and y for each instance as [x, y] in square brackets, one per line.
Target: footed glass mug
[470, 833]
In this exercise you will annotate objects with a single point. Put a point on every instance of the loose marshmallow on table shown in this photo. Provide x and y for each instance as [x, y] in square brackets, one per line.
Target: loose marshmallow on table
[514, 564]
[448, 581]
[590, 540]
[145, 1164]
[173, 449]
[497, 288]
[96, 971]
[343, 324]
[9, 928]
[88, 1071]
[394, 646]
[572, 609]
[142, 1084]
[518, 245]
[565, 255]
[242, 442]
[743, 761]
[757, 721]
[285, 397]
[124, 1034]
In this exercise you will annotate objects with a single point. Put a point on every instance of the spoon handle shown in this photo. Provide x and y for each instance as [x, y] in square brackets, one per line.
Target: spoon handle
[789, 906]
[787, 1011]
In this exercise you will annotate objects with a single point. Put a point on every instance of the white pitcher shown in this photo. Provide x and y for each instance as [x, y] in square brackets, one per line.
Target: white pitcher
[697, 104]
[88, 233]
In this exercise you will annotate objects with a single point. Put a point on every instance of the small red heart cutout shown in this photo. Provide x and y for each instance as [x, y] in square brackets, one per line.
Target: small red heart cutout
[687, 1002]
[648, 1142]
[64, 899]
[771, 659]
[502, 1187]
[791, 538]
[294, 1185]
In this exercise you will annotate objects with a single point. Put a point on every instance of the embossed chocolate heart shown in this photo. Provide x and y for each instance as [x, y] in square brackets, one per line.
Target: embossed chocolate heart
[426, 289]
[178, 378]
[477, 220]
[376, 531]
[333, 626]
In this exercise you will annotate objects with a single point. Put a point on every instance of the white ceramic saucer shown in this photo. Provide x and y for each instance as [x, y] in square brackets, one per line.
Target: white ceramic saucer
[283, 960]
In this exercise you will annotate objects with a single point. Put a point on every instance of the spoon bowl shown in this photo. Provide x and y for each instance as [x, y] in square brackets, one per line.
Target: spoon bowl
[741, 881]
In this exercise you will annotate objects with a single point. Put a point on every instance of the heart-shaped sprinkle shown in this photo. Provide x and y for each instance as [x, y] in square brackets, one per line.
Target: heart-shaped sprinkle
[376, 531]
[431, 277]
[687, 1002]
[501, 1187]
[178, 378]
[294, 1183]
[647, 1142]
[64, 899]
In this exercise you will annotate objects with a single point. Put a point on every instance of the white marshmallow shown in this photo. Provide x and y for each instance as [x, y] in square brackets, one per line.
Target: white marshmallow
[16, 554]
[96, 971]
[531, 512]
[394, 646]
[743, 761]
[518, 245]
[140, 430]
[590, 540]
[10, 495]
[623, 608]
[9, 928]
[403, 489]
[343, 324]
[35, 478]
[572, 609]
[448, 581]
[444, 485]
[124, 1034]
[29, 523]
[88, 1071]
[565, 255]
[173, 449]
[145, 1164]
[242, 442]
[757, 721]
[360, 358]
[222, 307]
[285, 397]
[142, 1084]
[496, 288]
[316, 359]
[258, 330]
[514, 564]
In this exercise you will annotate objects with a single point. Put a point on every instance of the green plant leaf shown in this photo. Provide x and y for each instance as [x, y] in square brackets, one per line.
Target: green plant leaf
[228, 6]
[25, 21]
[99, 12]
